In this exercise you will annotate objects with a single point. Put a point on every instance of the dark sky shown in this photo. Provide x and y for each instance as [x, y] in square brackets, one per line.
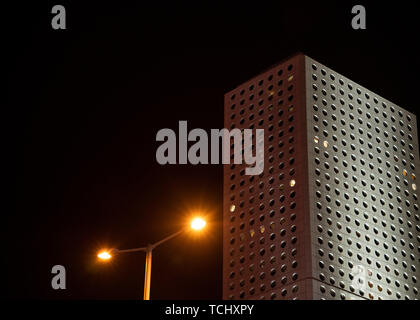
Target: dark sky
[83, 107]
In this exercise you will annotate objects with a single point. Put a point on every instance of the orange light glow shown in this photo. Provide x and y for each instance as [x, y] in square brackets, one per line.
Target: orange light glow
[198, 224]
[104, 255]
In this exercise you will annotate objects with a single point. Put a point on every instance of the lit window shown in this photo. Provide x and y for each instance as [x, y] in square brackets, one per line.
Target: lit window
[262, 229]
[252, 232]
[316, 139]
[232, 208]
[292, 183]
[413, 176]
[290, 78]
[414, 186]
[404, 173]
[325, 144]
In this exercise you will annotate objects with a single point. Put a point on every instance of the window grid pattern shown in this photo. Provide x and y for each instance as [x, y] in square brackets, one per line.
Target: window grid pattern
[338, 191]
[363, 160]
[261, 213]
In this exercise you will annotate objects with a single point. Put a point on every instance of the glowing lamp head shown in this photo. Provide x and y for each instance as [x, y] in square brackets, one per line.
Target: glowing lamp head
[198, 224]
[104, 255]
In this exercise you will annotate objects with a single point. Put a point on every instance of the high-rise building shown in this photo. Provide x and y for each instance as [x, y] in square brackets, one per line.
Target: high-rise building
[335, 213]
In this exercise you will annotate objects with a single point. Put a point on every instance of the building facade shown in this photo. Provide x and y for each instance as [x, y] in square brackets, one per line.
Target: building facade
[334, 215]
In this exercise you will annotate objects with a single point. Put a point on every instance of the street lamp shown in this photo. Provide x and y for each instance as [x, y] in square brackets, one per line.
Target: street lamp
[104, 255]
[197, 224]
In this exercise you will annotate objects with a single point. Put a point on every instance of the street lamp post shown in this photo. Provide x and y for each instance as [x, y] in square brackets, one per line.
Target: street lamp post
[147, 274]
[196, 224]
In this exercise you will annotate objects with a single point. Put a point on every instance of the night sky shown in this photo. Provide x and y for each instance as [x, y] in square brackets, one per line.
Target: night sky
[83, 107]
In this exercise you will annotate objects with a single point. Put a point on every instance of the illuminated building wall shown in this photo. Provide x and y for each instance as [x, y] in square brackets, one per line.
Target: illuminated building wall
[337, 200]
